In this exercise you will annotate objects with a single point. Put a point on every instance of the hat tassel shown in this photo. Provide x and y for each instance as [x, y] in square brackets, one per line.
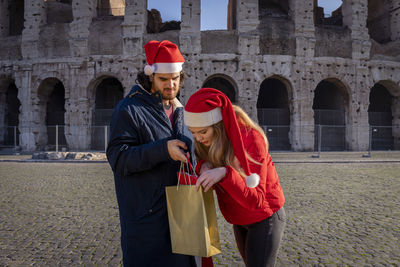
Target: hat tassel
[149, 70]
[253, 180]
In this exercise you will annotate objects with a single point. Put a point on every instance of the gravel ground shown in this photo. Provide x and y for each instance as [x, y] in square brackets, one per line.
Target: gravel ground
[65, 214]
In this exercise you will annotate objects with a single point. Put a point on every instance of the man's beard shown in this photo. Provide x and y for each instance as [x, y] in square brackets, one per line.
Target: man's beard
[169, 96]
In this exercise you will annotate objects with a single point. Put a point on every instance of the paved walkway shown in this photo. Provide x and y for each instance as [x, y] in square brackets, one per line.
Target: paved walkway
[65, 214]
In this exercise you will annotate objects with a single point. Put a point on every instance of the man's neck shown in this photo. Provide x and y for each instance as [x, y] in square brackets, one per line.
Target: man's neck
[166, 102]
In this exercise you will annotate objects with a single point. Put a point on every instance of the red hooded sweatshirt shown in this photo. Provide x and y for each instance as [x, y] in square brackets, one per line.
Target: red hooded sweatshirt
[240, 204]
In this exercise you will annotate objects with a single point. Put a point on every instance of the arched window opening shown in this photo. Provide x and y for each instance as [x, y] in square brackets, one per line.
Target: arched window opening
[16, 17]
[163, 16]
[273, 113]
[329, 107]
[328, 12]
[59, 11]
[380, 118]
[51, 110]
[273, 8]
[378, 21]
[11, 119]
[223, 85]
[106, 8]
[108, 93]
[55, 111]
[218, 15]
[276, 28]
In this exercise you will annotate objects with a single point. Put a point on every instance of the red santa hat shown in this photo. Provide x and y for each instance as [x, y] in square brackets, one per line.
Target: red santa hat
[209, 106]
[162, 57]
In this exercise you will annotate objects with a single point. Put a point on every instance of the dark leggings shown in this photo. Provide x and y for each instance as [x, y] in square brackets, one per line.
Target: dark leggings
[258, 243]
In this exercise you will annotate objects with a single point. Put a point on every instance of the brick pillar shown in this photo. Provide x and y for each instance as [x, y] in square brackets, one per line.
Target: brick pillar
[302, 117]
[247, 23]
[190, 35]
[134, 27]
[78, 115]
[303, 16]
[28, 134]
[357, 125]
[395, 20]
[35, 16]
[355, 14]
[83, 13]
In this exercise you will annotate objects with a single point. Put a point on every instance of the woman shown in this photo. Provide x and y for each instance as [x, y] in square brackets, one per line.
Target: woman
[233, 158]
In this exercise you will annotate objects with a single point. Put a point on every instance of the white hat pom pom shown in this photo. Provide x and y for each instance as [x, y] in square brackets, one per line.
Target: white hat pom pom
[252, 180]
[149, 70]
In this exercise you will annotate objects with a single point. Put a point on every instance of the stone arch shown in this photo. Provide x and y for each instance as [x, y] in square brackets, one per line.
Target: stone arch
[331, 111]
[50, 114]
[107, 92]
[274, 111]
[378, 21]
[384, 115]
[9, 108]
[223, 83]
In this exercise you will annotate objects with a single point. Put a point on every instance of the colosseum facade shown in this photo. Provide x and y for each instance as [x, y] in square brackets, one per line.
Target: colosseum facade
[304, 77]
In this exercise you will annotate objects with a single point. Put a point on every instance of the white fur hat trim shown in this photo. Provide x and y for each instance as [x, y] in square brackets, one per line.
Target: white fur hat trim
[202, 119]
[252, 180]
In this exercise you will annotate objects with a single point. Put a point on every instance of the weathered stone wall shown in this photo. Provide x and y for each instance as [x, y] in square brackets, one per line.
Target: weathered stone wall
[88, 49]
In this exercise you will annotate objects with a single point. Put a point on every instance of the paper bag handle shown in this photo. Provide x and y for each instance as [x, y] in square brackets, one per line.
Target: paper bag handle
[182, 170]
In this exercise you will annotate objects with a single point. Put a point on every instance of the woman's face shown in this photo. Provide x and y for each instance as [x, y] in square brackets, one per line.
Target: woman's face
[203, 135]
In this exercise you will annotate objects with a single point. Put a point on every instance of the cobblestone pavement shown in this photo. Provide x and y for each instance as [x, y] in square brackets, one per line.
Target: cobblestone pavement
[65, 214]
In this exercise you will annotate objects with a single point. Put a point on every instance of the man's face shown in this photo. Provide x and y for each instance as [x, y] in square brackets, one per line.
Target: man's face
[165, 83]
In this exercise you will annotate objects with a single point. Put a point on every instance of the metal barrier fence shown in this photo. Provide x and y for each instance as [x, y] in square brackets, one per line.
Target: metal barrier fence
[326, 137]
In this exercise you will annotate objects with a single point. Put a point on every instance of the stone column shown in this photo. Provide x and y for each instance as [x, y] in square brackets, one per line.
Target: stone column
[4, 19]
[355, 14]
[303, 16]
[83, 13]
[249, 52]
[134, 27]
[78, 115]
[302, 127]
[395, 20]
[190, 34]
[35, 16]
[247, 23]
[28, 135]
[357, 126]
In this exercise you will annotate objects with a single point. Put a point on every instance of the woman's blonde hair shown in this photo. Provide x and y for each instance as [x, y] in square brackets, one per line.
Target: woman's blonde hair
[220, 152]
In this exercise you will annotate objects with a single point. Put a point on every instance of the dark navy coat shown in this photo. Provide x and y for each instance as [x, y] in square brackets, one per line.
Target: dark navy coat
[138, 154]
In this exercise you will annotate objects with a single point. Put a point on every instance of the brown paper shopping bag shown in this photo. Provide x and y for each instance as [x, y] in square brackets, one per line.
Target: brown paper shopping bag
[192, 221]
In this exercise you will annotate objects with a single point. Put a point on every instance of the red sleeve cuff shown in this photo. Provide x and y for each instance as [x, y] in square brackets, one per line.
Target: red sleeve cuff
[198, 166]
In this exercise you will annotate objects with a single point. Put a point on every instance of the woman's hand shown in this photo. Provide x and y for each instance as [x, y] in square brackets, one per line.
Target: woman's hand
[205, 167]
[210, 178]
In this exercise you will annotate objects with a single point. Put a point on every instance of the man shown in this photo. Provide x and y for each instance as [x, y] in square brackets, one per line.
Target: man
[148, 141]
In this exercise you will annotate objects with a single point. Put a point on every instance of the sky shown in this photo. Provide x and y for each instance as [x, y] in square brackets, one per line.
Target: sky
[214, 12]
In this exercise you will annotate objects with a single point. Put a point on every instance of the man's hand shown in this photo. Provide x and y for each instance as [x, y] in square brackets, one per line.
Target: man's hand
[175, 150]
[210, 178]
